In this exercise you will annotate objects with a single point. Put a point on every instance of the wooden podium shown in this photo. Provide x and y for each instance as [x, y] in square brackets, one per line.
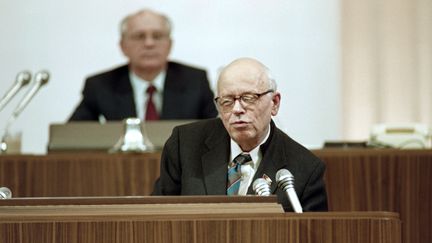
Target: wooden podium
[356, 180]
[185, 219]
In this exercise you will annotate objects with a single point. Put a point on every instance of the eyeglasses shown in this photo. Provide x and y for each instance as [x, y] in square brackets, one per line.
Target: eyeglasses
[226, 103]
[142, 36]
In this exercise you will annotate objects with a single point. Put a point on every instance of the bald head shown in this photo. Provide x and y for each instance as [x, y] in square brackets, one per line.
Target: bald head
[246, 68]
[146, 14]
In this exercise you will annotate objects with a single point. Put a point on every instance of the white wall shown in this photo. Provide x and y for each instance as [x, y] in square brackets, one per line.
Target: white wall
[297, 40]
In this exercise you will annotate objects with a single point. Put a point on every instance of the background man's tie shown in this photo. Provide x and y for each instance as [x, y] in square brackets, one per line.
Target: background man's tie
[151, 112]
[234, 173]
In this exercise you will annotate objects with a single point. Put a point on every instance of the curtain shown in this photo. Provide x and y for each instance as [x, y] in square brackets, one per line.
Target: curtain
[386, 64]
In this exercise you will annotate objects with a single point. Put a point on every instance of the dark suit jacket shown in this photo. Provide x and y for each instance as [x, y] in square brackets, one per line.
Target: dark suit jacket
[187, 95]
[195, 160]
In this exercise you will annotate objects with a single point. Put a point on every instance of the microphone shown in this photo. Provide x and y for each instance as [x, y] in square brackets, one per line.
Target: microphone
[285, 181]
[40, 79]
[21, 80]
[5, 193]
[261, 187]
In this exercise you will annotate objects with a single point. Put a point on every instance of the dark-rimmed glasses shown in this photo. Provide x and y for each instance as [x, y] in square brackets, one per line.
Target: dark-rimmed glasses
[226, 103]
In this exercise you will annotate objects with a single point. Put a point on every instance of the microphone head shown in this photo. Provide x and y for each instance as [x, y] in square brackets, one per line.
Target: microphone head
[261, 187]
[258, 182]
[283, 174]
[23, 78]
[5, 193]
[284, 179]
[42, 77]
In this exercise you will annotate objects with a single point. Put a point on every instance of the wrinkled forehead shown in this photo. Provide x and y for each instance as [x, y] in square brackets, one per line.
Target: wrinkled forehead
[242, 77]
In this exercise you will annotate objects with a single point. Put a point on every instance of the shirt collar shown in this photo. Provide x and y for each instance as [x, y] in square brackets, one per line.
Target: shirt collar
[140, 85]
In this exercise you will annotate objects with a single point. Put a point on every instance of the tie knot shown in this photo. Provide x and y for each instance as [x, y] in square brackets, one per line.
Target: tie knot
[242, 158]
[150, 89]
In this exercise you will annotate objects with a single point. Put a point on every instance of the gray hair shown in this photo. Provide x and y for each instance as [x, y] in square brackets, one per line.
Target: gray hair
[124, 22]
[270, 78]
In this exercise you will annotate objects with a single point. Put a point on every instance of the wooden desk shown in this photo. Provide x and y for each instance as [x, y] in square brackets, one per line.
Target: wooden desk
[158, 222]
[78, 175]
[357, 180]
[383, 180]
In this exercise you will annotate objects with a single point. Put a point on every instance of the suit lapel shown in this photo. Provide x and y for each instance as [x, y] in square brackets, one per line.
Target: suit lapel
[173, 89]
[269, 168]
[272, 161]
[124, 95]
[215, 161]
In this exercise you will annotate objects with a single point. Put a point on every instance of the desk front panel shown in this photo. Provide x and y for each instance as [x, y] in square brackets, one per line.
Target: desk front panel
[356, 179]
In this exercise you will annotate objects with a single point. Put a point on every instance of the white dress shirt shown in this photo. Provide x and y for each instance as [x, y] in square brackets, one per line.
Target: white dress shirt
[248, 170]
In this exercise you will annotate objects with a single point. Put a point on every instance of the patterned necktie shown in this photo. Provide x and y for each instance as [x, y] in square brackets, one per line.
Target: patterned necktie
[151, 113]
[234, 173]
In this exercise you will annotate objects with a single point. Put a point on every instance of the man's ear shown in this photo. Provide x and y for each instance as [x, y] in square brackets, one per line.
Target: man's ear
[276, 103]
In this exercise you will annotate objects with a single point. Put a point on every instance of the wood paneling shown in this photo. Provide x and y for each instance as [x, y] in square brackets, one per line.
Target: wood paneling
[143, 223]
[389, 180]
[357, 180]
[75, 175]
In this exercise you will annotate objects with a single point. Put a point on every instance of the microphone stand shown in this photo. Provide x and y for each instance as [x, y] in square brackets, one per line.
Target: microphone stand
[3, 144]
[41, 78]
[22, 79]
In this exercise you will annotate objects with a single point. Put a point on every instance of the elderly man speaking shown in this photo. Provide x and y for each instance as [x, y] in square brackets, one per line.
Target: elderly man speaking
[210, 157]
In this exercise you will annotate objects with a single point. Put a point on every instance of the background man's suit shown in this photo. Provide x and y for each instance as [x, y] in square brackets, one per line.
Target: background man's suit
[195, 160]
[186, 95]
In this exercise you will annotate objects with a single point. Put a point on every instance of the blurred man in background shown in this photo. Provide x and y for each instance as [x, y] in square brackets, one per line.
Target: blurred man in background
[150, 86]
